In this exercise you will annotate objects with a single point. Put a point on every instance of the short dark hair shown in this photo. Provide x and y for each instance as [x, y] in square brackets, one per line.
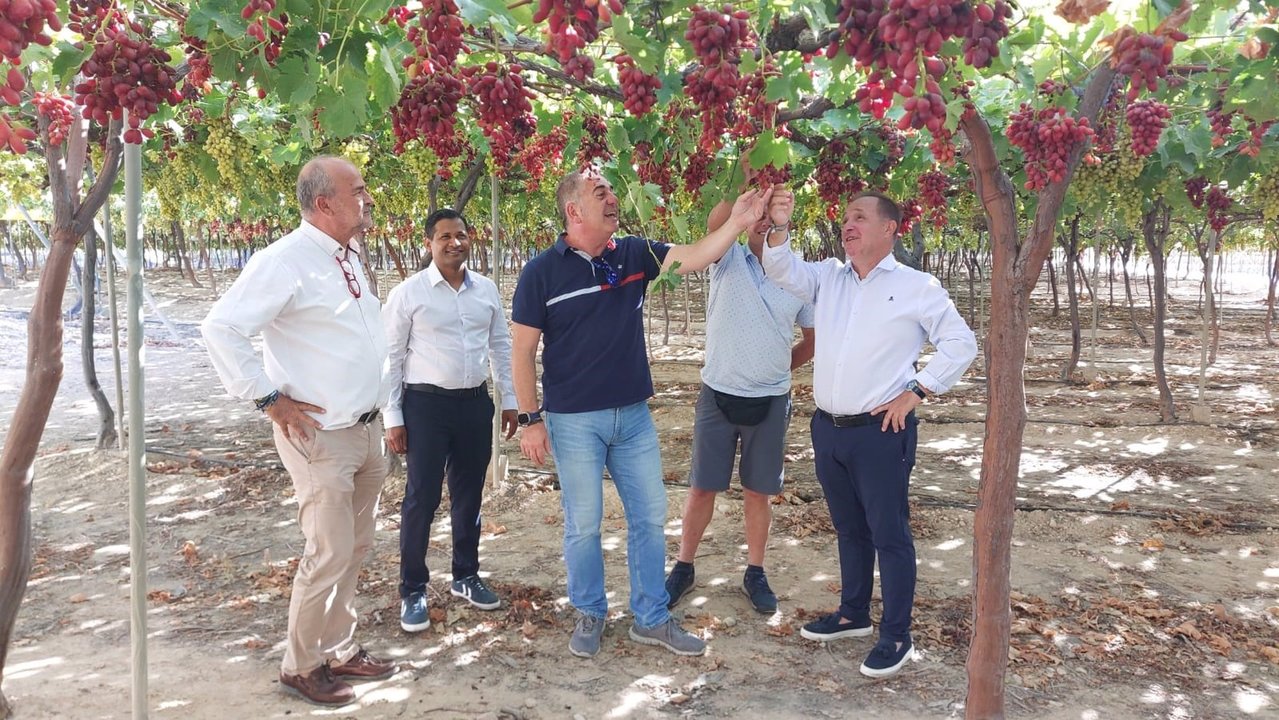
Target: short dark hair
[886, 206]
[443, 214]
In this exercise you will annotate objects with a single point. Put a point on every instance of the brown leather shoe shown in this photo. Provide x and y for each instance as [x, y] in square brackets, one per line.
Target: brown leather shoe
[318, 687]
[364, 666]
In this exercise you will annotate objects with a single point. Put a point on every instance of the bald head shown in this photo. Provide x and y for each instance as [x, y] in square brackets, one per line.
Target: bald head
[318, 179]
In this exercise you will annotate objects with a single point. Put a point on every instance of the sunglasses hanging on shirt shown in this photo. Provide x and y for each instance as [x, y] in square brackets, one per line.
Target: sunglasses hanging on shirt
[610, 275]
[352, 282]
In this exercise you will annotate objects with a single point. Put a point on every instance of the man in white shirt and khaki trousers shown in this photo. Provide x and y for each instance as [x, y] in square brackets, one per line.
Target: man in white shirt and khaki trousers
[444, 326]
[321, 381]
[872, 317]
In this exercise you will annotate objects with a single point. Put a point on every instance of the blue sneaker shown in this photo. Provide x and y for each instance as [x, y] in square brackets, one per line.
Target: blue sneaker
[887, 658]
[414, 616]
[755, 585]
[473, 590]
[829, 627]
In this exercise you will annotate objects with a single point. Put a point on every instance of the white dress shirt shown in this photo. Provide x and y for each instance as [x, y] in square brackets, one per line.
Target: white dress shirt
[870, 332]
[320, 345]
[446, 337]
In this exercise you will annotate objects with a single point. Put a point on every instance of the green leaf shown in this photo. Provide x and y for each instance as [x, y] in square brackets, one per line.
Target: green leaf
[770, 150]
[483, 13]
[67, 60]
[205, 16]
[384, 78]
[340, 112]
[617, 137]
[793, 82]
[647, 57]
[297, 80]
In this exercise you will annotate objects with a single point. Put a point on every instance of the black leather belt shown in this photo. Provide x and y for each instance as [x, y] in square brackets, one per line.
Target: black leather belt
[477, 391]
[368, 417]
[847, 421]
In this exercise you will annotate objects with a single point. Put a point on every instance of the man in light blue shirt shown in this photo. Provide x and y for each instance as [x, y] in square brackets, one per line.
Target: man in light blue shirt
[873, 316]
[745, 397]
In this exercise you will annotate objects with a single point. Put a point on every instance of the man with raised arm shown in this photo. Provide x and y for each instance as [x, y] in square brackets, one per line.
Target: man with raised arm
[583, 299]
[873, 316]
[744, 398]
[321, 380]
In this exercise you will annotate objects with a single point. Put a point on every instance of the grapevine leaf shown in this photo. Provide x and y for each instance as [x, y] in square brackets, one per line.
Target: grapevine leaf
[646, 57]
[384, 78]
[68, 59]
[681, 228]
[792, 82]
[617, 137]
[297, 80]
[770, 150]
[204, 16]
[1252, 91]
[339, 109]
[483, 13]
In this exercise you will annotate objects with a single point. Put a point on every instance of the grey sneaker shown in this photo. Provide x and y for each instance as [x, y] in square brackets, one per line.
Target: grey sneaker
[586, 636]
[670, 636]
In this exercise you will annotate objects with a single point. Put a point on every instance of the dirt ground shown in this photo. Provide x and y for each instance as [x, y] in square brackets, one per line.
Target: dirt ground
[1145, 575]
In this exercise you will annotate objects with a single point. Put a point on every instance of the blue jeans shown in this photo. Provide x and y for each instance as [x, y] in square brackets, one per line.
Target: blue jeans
[625, 441]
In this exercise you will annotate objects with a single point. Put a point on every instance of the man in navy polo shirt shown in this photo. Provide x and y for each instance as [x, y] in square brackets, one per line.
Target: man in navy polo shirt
[583, 299]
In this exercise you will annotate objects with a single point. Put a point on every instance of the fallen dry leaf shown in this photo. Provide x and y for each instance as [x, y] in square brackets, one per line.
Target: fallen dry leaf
[495, 529]
[1152, 545]
[190, 552]
[782, 630]
[78, 598]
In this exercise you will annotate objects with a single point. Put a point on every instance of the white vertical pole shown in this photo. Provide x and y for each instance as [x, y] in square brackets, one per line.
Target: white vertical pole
[497, 465]
[137, 430]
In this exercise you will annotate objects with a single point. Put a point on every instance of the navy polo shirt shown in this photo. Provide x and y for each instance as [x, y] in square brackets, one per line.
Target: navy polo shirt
[593, 353]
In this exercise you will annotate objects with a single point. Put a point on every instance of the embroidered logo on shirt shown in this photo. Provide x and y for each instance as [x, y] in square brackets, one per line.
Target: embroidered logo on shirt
[890, 298]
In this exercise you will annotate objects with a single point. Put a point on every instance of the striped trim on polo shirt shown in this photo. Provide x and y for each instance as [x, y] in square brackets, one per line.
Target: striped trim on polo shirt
[639, 276]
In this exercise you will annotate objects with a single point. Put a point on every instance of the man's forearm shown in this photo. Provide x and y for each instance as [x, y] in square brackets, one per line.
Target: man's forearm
[524, 369]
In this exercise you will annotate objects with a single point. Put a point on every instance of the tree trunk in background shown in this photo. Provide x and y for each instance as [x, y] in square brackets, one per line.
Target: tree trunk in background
[184, 256]
[1125, 252]
[1155, 225]
[88, 318]
[1070, 243]
[1052, 285]
[1270, 297]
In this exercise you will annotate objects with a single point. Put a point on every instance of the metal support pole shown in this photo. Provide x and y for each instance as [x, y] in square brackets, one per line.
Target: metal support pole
[497, 468]
[137, 430]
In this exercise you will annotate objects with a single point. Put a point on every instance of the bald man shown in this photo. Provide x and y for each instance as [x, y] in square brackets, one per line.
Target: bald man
[321, 381]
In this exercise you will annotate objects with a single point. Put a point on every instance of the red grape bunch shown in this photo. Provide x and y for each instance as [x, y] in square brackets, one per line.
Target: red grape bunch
[594, 144]
[754, 111]
[58, 109]
[770, 175]
[1047, 138]
[1219, 203]
[1222, 125]
[943, 147]
[436, 38]
[427, 110]
[718, 35]
[836, 178]
[1256, 131]
[11, 90]
[911, 212]
[1146, 119]
[543, 152]
[1195, 189]
[654, 168]
[696, 173]
[23, 22]
[502, 105]
[580, 67]
[1144, 58]
[125, 72]
[571, 24]
[639, 89]
[14, 137]
[988, 27]
[255, 29]
[933, 186]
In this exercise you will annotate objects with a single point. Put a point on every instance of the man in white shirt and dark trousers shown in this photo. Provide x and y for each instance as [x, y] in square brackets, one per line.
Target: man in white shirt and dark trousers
[744, 398]
[444, 326]
[321, 381]
[873, 316]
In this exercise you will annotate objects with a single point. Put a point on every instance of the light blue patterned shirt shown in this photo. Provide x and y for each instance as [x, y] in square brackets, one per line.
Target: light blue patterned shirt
[750, 327]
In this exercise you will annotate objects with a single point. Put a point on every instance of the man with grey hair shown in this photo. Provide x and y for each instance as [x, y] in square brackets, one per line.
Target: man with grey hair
[321, 382]
[583, 299]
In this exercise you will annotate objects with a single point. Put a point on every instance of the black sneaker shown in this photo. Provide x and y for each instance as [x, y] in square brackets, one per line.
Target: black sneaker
[679, 582]
[473, 590]
[755, 585]
[830, 628]
[887, 658]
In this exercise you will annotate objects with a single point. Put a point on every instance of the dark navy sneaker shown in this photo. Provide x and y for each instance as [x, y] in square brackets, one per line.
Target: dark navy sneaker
[755, 585]
[587, 632]
[887, 658]
[413, 613]
[472, 589]
[679, 582]
[829, 627]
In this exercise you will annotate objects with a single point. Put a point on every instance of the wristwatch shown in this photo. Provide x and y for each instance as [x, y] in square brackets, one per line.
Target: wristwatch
[778, 228]
[529, 418]
[918, 389]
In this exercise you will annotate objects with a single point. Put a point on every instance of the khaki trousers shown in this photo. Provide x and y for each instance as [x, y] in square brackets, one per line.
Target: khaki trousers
[337, 477]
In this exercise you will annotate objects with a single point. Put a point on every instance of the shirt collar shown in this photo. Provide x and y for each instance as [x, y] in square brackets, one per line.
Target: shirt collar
[435, 277]
[325, 242]
[888, 264]
[562, 247]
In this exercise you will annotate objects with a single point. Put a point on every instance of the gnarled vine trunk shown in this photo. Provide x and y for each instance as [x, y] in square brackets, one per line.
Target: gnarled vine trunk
[88, 317]
[1155, 225]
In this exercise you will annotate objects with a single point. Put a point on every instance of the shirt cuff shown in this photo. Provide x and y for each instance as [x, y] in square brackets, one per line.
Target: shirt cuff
[392, 417]
[932, 384]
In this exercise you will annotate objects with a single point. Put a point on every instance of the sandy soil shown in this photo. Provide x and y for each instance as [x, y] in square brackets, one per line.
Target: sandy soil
[1146, 556]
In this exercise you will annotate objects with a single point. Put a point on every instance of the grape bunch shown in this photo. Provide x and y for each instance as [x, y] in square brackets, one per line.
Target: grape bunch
[58, 109]
[836, 179]
[1266, 193]
[639, 89]
[126, 72]
[580, 67]
[696, 173]
[1256, 131]
[988, 27]
[11, 90]
[571, 24]
[1221, 124]
[436, 38]
[718, 35]
[231, 154]
[594, 145]
[912, 211]
[933, 187]
[943, 147]
[1219, 203]
[771, 175]
[23, 22]
[1047, 138]
[14, 137]
[199, 71]
[1144, 58]
[256, 30]
[873, 97]
[1110, 181]
[754, 112]
[1196, 188]
[506, 141]
[654, 169]
[502, 107]
[1146, 120]
[427, 110]
[543, 152]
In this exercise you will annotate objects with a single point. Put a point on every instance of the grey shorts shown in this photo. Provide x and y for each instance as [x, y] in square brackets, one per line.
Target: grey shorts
[715, 442]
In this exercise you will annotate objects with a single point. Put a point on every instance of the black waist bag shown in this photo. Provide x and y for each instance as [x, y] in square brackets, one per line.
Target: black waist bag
[742, 410]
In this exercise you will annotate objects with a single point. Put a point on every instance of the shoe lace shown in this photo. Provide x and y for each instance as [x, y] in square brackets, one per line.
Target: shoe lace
[757, 583]
[326, 672]
[586, 623]
[477, 582]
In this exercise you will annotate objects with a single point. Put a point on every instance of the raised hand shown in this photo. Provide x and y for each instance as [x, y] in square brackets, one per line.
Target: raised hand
[750, 207]
[781, 206]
